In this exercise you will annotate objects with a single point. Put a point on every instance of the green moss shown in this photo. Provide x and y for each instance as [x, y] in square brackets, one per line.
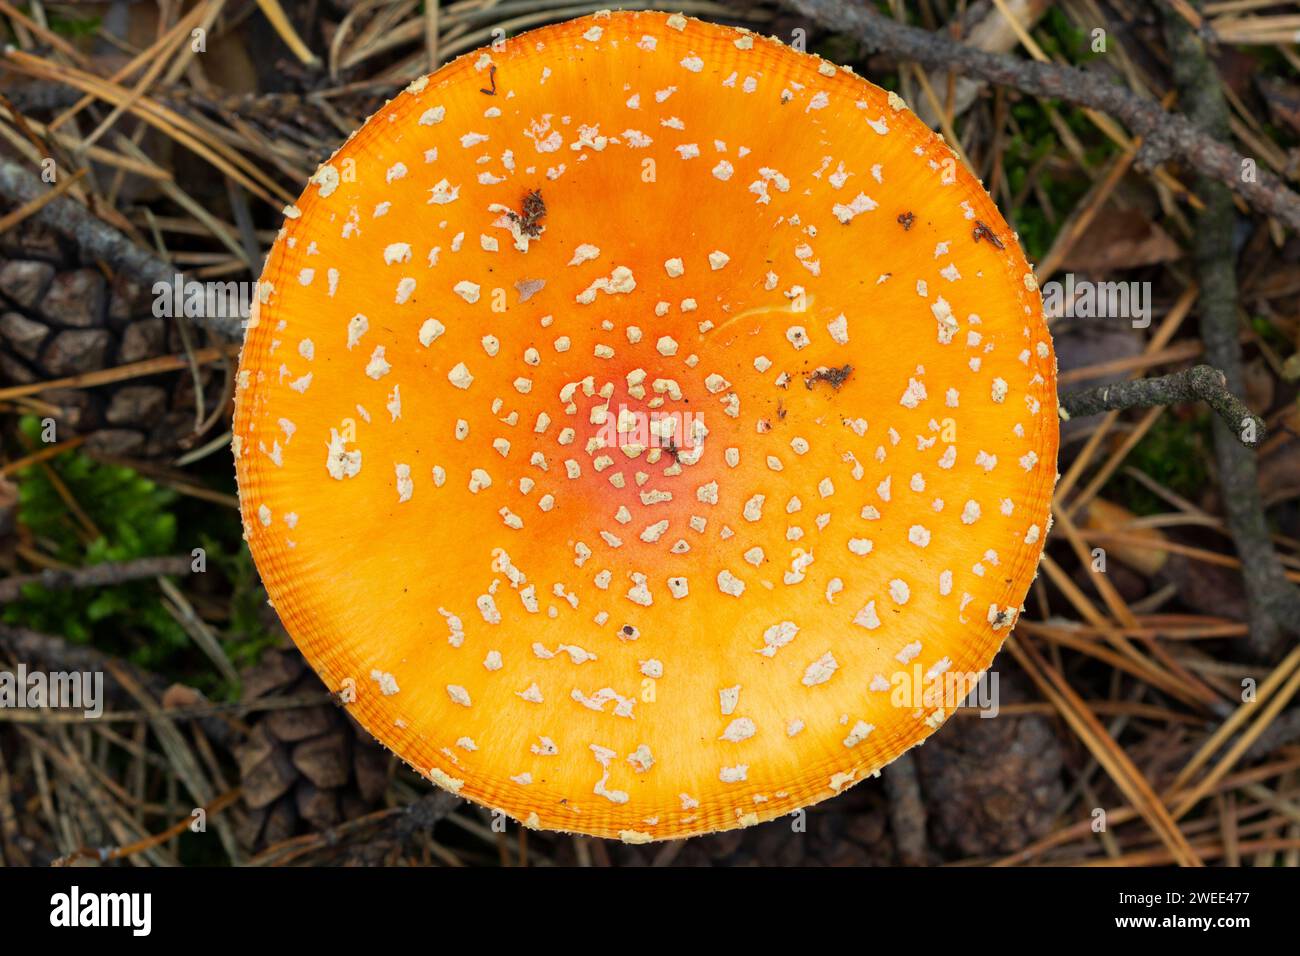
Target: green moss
[1035, 140]
[1175, 453]
[131, 513]
[1056, 34]
[1270, 333]
[75, 27]
[137, 518]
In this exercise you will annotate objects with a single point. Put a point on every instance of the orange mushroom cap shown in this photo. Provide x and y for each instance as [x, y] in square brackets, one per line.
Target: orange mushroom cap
[630, 412]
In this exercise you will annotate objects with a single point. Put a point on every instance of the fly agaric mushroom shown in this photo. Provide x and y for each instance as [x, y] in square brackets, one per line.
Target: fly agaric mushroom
[629, 413]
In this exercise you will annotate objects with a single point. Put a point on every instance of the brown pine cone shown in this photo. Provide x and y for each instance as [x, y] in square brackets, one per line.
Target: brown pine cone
[304, 768]
[61, 317]
[991, 786]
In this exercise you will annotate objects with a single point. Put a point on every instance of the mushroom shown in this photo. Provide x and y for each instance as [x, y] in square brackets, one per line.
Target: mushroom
[630, 412]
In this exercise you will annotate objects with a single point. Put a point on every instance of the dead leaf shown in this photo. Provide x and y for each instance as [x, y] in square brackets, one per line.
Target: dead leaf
[181, 696]
[1120, 239]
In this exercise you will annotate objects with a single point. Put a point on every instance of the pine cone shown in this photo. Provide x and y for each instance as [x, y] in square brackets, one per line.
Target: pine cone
[304, 768]
[61, 317]
[991, 786]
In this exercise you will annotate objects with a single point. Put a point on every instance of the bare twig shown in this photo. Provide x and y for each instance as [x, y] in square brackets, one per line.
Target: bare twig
[1274, 604]
[1198, 383]
[1165, 135]
[95, 575]
[96, 239]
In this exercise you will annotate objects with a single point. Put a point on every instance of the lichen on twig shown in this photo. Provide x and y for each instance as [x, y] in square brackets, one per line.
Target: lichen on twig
[1200, 383]
[96, 239]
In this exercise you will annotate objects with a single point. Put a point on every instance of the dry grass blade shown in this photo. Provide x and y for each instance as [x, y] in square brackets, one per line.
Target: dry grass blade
[122, 373]
[46, 34]
[274, 12]
[240, 168]
[1107, 752]
[178, 754]
[1122, 613]
[150, 54]
[1274, 693]
[184, 614]
[73, 768]
[157, 839]
[1173, 547]
[141, 87]
[1142, 666]
[28, 209]
[45, 454]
